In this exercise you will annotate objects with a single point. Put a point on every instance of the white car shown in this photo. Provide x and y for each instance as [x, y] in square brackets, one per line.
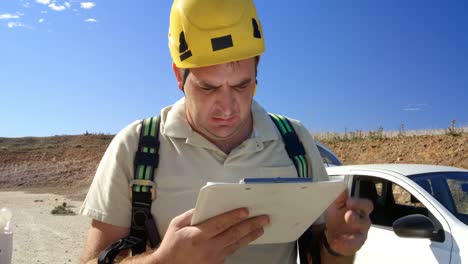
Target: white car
[420, 212]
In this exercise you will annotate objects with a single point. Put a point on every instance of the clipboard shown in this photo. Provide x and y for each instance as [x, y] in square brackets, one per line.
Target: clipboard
[293, 205]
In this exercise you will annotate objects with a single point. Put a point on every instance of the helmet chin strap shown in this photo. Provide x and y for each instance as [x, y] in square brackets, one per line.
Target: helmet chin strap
[256, 82]
[184, 78]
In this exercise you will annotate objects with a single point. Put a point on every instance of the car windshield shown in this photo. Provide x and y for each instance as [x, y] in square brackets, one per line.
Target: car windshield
[449, 188]
[328, 156]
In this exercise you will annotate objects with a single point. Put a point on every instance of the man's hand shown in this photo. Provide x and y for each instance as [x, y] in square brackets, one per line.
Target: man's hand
[347, 223]
[211, 241]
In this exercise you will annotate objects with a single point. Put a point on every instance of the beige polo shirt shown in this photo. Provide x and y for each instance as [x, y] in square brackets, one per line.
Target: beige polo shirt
[187, 162]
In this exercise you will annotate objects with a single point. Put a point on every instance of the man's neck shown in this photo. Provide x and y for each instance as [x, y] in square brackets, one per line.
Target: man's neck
[228, 145]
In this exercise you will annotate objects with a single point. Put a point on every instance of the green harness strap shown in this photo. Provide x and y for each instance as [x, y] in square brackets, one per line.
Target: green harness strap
[292, 144]
[147, 149]
[143, 187]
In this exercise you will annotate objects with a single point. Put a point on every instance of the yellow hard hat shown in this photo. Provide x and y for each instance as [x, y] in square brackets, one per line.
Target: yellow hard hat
[208, 32]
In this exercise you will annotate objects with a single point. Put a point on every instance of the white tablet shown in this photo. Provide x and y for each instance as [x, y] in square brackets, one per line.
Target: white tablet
[292, 206]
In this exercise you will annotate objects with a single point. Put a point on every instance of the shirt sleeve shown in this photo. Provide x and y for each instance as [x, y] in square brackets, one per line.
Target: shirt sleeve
[108, 199]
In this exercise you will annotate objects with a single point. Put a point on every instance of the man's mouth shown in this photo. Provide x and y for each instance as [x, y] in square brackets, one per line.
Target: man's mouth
[224, 120]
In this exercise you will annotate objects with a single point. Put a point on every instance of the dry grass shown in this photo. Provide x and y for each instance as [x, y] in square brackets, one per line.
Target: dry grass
[380, 133]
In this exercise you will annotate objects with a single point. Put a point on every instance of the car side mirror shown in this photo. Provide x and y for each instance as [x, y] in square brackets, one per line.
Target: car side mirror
[464, 187]
[416, 226]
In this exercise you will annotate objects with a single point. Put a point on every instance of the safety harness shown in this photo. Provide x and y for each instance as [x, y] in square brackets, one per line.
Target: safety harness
[143, 188]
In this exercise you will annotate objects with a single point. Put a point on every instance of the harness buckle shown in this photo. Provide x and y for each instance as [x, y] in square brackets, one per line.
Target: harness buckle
[148, 183]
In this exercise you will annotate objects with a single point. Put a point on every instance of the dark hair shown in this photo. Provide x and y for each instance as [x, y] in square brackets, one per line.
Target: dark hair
[185, 72]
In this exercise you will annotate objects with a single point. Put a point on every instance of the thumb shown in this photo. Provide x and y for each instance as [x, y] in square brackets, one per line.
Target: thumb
[183, 219]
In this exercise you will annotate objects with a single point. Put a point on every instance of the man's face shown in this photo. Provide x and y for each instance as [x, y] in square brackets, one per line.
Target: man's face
[218, 100]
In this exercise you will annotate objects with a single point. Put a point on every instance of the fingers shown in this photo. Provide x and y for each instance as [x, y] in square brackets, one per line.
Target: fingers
[360, 205]
[340, 201]
[357, 214]
[220, 223]
[212, 240]
[229, 250]
[357, 222]
[183, 219]
[243, 233]
[347, 244]
[348, 226]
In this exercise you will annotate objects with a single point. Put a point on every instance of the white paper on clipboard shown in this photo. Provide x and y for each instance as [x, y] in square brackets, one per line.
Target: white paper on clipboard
[292, 207]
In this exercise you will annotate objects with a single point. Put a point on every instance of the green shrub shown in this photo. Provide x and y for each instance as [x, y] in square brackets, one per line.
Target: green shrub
[62, 210]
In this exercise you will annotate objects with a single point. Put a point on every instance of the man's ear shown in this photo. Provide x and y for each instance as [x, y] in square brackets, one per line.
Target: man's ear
[178, 76]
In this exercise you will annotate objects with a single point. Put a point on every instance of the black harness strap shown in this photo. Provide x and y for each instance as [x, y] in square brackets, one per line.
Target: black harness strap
[143, 190]
[108, 255]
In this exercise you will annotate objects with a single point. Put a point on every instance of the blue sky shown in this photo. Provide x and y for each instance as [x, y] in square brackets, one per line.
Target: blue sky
[67, 67]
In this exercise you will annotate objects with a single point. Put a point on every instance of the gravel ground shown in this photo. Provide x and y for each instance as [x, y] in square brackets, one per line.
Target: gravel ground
[40, 237]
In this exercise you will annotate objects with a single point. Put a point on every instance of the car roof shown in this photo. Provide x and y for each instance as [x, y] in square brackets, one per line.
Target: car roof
[403, 169]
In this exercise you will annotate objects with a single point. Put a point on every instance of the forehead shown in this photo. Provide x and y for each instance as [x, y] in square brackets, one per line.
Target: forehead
[241, 66]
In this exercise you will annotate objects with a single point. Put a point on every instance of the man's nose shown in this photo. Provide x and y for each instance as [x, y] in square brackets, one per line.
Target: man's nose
[226, 100]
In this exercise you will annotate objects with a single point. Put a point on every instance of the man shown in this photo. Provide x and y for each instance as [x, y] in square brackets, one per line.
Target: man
[217, 132]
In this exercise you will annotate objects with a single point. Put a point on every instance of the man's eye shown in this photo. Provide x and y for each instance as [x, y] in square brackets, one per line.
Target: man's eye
[243, 86]
[206, 88]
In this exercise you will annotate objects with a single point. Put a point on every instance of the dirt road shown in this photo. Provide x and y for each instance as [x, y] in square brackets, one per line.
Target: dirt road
[40, 237]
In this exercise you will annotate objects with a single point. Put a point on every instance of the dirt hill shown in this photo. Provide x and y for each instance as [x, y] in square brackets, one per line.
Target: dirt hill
[436, 149]
[60, 164]
[66, 164]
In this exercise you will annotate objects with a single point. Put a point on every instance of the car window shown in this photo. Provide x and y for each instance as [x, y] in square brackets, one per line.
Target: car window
[404, 198]
[390, 200]
[460, 198]
[449, 188]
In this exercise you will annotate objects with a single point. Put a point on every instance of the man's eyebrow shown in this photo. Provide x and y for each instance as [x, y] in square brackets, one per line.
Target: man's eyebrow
[204, 84]
[242, 83]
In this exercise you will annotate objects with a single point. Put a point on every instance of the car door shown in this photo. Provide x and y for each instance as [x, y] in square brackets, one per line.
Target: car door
[395, 197]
